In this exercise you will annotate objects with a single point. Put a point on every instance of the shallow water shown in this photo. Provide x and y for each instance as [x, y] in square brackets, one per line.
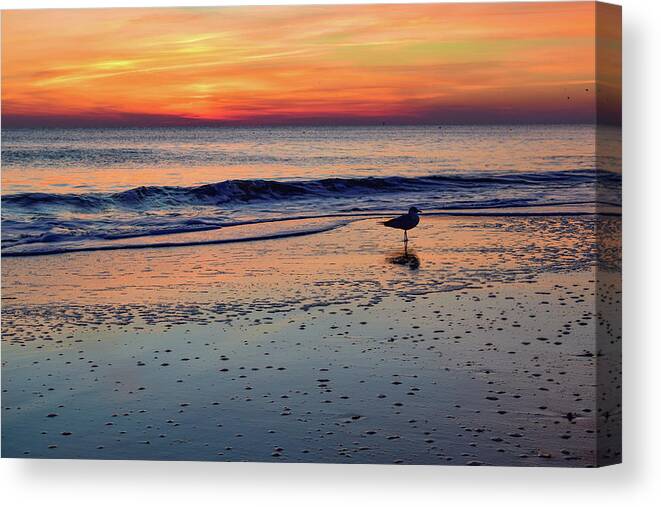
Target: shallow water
[288, 324]
[321, 348]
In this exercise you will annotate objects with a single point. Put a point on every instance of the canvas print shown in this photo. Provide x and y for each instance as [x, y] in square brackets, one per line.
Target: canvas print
[382, 234]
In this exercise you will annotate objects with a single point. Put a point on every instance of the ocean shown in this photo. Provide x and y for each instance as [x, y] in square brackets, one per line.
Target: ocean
[67, 190]
[491, 338]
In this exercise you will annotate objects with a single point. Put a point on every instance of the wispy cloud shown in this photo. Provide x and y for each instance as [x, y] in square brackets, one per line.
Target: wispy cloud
[250, 63]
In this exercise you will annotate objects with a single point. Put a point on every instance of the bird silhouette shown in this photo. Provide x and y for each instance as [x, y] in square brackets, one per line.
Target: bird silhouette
[405, 222]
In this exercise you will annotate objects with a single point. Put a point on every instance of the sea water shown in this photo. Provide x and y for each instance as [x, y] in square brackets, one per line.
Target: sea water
[81, 189]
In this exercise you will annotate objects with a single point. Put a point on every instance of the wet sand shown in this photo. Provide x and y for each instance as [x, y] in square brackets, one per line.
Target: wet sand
[479, 349]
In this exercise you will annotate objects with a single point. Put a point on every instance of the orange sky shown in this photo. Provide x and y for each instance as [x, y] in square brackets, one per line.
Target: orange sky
[452, 63]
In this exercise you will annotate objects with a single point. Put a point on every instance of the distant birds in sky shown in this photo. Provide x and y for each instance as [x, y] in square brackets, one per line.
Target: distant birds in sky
[569, 98]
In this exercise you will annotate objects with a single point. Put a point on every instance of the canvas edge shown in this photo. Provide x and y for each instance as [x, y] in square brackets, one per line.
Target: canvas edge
[608, 289]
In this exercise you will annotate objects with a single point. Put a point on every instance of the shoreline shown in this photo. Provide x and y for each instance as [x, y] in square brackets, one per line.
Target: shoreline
[311, 349]
[208, 234]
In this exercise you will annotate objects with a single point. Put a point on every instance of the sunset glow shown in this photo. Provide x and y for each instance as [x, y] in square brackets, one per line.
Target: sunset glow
[444, 63]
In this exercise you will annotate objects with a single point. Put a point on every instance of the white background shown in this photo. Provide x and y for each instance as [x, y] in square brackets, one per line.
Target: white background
[636, 482]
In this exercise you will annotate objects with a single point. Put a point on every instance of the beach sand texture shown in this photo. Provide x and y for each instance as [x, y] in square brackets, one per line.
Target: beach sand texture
[482, 349]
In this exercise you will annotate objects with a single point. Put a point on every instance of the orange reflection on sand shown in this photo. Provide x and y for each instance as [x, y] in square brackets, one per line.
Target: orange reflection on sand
[452, 252]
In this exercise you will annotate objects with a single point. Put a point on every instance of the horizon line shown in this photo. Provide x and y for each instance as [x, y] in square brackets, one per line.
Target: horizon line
[4, 124]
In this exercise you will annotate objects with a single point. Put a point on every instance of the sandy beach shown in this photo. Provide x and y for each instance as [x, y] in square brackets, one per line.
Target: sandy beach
[330, 347]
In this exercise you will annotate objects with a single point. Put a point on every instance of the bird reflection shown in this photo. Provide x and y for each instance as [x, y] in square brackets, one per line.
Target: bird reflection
[406, 258]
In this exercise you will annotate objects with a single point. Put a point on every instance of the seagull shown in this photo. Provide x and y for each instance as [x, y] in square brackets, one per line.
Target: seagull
[405, 222]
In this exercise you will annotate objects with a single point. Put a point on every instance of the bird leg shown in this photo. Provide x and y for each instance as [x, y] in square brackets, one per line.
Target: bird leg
[406, 243]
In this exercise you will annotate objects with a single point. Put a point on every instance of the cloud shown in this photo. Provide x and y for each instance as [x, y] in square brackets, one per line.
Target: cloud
[427, 63]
